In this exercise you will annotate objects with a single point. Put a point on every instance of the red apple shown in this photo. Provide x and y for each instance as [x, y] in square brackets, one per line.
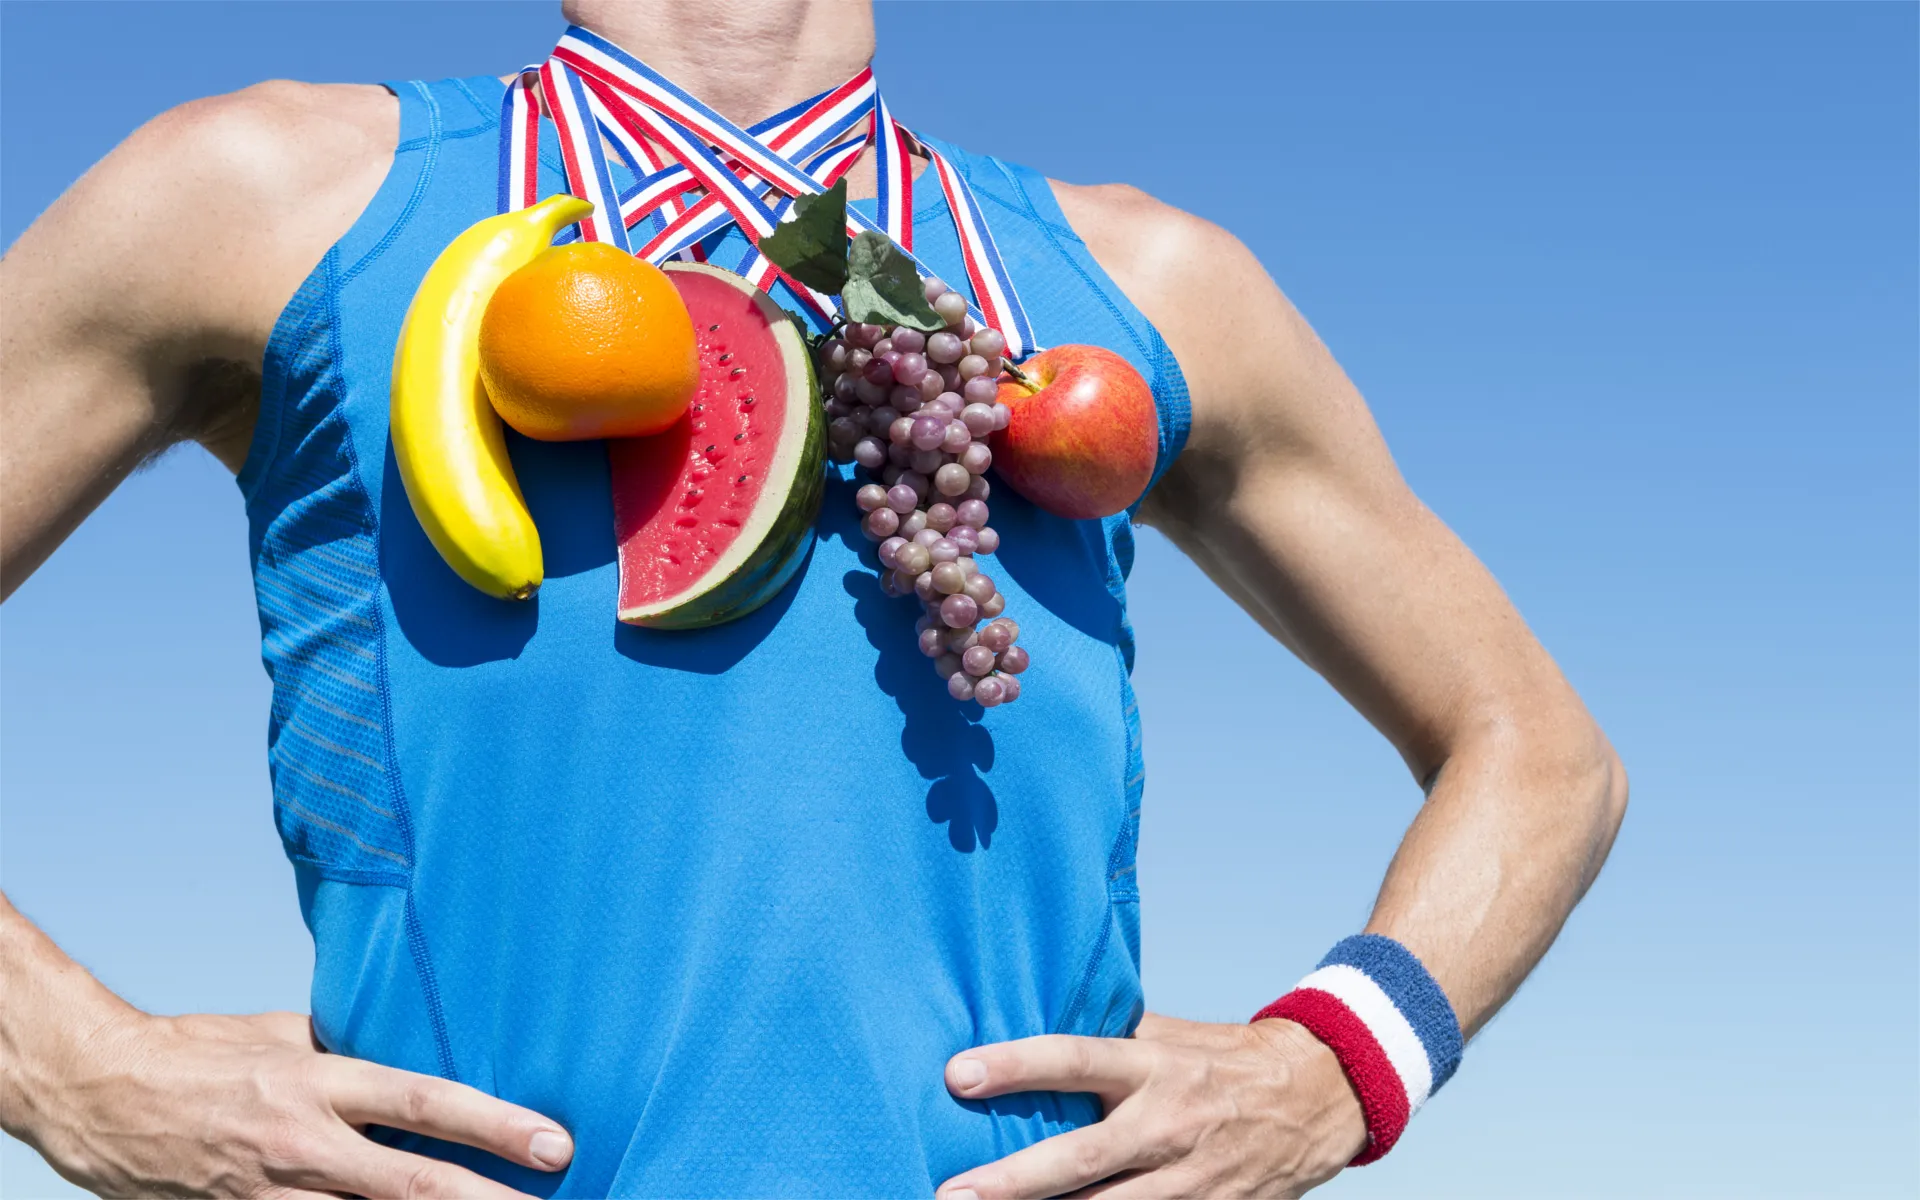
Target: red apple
[1083, 436]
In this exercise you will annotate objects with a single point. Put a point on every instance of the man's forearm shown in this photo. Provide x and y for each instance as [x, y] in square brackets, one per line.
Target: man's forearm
[1517, 823]
[50, 1008]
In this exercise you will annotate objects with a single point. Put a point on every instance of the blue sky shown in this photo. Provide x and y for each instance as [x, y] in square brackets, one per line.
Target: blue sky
[1632, 291]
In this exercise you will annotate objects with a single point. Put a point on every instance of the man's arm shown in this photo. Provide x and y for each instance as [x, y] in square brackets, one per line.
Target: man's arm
[138, 308]
[140, 303]
[1287, 497]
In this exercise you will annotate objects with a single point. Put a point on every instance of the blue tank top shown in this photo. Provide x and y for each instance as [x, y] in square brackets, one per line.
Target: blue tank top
[720, 902]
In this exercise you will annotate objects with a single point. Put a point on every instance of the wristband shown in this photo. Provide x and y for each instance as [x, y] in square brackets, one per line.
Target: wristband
[1386, 1021]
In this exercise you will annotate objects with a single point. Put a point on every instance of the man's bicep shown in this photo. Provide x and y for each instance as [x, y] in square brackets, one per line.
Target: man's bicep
[83, 367]
[1373, 591]
[1289, 498]
[1302, 517]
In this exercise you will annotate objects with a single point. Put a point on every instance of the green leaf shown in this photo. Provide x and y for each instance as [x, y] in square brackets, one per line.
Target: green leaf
[883, 288]
[813, 340]
[813, 246]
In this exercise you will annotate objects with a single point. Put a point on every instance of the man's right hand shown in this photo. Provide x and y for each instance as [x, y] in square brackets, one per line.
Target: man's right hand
[128, 1104]
[250, 1106]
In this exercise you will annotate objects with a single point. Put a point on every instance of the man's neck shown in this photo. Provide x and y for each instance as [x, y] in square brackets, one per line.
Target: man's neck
[747, 58]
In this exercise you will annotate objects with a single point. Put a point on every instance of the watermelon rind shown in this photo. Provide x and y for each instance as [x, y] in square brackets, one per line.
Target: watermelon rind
[775, 544]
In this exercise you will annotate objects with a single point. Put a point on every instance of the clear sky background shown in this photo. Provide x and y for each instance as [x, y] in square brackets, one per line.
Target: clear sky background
[1632, 291]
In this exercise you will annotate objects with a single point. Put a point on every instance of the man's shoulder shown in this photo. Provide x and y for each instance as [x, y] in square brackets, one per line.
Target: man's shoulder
[183, 244]
[1119, 204]
[275, 141]
[245, 177]
[1145, 243]
[340, 114]
[211, 213]
[1177, 268]
[1230, 329]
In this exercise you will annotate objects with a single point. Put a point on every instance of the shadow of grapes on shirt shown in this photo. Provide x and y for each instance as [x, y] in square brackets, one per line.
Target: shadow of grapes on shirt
[1060, 564]
[942, 737]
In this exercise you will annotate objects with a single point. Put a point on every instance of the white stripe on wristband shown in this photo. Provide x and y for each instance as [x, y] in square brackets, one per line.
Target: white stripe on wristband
[1387, 1022]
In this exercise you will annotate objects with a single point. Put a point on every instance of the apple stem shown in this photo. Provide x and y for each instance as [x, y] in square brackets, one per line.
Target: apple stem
[1022, 378]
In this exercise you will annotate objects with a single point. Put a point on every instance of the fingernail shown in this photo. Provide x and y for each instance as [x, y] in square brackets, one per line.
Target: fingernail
[551, 1149]
[962, 1194]
[968, 1073]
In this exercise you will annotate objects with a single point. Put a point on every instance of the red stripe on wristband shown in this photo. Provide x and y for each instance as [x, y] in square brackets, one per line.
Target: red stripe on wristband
[1383, 1098]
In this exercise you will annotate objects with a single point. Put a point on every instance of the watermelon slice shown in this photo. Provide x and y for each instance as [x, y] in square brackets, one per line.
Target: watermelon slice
[715, 515]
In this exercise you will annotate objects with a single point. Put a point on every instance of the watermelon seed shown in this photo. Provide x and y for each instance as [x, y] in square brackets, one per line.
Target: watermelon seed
[714, 328]
[742, 479]
[727, 358]
[739, 437]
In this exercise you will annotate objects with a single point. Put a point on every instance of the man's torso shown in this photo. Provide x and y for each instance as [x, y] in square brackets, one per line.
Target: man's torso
[721, 902]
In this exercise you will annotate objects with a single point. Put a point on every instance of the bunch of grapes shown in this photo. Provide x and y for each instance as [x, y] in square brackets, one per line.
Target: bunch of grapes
[915, 410]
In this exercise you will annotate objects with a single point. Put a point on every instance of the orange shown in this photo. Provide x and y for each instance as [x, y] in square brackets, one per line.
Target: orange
[588, 342]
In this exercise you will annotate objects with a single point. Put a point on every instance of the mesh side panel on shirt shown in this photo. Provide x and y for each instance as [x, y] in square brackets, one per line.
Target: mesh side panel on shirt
[316, 574]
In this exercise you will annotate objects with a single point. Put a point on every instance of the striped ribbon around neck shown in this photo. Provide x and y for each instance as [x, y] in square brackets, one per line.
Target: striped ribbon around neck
[697, 173]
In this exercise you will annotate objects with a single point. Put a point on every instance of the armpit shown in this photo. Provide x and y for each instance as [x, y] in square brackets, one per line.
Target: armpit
[222, 402]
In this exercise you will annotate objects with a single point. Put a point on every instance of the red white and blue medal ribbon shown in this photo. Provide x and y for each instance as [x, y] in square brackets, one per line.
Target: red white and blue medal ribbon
[732, 197]
[893, 166]
[992, 286]
[582, 149]
[520, 143]
[699, 173]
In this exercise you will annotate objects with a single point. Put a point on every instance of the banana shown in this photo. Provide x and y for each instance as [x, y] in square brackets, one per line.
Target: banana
[449, 443]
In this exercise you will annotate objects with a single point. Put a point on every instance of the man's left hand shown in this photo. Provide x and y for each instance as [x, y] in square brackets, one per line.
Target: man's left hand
[1191, 1110]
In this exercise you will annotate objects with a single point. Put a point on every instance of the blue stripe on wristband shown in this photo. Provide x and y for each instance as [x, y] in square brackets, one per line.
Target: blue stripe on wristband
[1388, 1023]
[1412, 990]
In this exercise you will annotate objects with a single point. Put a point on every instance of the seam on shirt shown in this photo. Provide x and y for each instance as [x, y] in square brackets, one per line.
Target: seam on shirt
[1053, 239]
[423, 962]
[1175, 413]
[490, 113]
[355, 875]
[420, 183]
[396, 791]
[273, 407]
[1079, 1001]
[430, 987]
[1077, 1005]
[1116, 855]
[1173, 402]
[451, 135]
[1173, 416]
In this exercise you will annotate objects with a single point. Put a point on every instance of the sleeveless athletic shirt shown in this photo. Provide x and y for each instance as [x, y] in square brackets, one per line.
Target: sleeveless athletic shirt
[721, 902]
